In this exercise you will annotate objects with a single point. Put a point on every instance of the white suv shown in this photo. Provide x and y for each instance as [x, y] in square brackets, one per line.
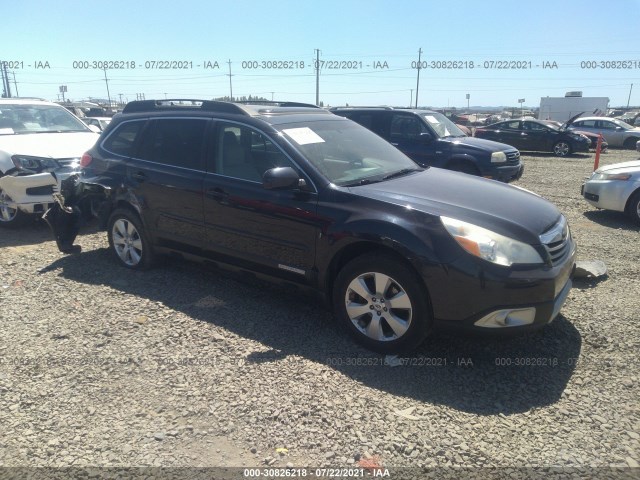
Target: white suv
[36, 138]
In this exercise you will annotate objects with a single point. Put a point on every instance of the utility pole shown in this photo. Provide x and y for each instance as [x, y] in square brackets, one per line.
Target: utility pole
[5, 80]
[230, 85]
[629, 99]
[15, 83]
[411, 101]
[120, 95]
[107, 82]
[418, 81]
[272, 96]
[317, 77]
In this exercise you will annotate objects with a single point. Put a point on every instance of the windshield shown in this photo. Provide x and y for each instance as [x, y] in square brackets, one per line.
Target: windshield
[21, 119]
[442, 125]
[346, 153]
[622, 124]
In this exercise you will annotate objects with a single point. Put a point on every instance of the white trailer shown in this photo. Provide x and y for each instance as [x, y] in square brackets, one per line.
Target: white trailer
[563, 108]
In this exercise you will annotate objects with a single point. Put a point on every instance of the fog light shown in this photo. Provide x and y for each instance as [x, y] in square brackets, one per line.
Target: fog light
[508, 318]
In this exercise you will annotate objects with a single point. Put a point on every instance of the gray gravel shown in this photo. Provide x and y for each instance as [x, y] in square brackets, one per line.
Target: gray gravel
[184, 366]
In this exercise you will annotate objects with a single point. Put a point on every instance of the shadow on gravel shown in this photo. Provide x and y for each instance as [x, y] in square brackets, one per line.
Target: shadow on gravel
[31, 233]
[484, 376]
[609, 218]
[572, 156]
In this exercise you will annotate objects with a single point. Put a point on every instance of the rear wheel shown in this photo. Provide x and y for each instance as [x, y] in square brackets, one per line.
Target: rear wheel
[382, 304]
[10, 216]
[630, 143]
[561, 148]
[633, 207]
[128, 241]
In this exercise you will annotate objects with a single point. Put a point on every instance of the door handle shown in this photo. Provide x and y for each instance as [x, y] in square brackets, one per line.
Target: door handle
[140, 176]
[394, 144]
[217, 193]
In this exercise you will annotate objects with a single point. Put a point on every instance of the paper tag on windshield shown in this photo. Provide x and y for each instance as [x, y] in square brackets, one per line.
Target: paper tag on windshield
[303, 136]
[431, 119]
[6, 131]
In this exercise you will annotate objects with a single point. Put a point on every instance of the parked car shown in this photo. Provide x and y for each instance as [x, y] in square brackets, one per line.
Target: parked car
[100, 122]
[534, 135]
[615, 187]
[36, 137]
[306, 197]
[431, 139]
[593, 137]
[615, 132]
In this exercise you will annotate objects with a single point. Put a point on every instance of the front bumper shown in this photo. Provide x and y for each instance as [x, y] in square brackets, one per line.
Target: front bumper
[608, 194]
[508, 173]
[32, 193]
[500, 300]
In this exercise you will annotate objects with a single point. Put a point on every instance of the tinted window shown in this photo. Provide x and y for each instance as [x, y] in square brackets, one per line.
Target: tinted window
[245, 153]
[406, 127]
[606, 125]
[122, 140]
[175, 141]
[510, 125]
[534, 126]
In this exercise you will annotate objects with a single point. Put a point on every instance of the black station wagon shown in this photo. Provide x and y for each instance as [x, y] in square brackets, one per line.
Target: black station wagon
[297, 194]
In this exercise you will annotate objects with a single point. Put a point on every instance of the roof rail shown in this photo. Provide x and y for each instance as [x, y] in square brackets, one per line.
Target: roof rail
[382, 107]
[139, 106]
[278, 103]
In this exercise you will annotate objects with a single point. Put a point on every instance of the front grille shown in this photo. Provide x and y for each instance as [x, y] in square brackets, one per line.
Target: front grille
[557, 241]
[513, 156]
[43, 190]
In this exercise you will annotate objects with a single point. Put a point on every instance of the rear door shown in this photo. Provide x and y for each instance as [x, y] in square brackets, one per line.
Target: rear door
[167, 176]
[404, 133]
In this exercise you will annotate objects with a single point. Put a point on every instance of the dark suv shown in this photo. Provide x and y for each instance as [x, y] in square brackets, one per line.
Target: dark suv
[431, 139]
[307, 197]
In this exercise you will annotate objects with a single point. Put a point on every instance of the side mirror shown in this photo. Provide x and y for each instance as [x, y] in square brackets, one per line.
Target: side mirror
[425, 137]
[280, 178]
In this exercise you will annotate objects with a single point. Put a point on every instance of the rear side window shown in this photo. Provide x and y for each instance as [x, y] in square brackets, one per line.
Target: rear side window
[123, 139]
[586, 124]
[175, 141]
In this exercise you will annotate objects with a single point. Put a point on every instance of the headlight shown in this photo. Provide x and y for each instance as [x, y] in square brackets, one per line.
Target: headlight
[490, 246]
[611, 176]
[498, 157]
[25, 162]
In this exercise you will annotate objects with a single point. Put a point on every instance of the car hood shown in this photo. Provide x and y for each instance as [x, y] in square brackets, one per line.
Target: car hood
[482, 144]
[624, 167]
[566, 124]
[49, 145]
[502, 208]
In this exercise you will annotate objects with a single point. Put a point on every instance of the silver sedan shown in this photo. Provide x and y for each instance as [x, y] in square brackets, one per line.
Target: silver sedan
[615, 187]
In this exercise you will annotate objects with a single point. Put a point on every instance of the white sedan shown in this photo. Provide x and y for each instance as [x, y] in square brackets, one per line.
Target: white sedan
[36, 138]
[615, 187]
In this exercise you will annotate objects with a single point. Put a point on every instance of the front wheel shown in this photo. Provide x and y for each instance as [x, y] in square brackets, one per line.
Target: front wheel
[382, 304]
[127, 240]
[10, 215]
[633, 207]
[562, 149]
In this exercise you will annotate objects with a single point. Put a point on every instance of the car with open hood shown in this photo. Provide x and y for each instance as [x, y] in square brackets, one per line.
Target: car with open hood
[528, 134]
[315, 201]
[36, 138]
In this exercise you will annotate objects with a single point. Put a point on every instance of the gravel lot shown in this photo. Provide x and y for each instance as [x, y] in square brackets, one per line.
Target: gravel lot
[184, 366]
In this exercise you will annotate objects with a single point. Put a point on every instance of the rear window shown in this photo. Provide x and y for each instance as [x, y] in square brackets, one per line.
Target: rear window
[122, 140]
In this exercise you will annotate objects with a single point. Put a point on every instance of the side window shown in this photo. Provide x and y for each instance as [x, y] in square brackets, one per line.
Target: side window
[511, 125]
[245, 153]
[175, 141]
[406, 127]
[122, 140]
[536, 127]
[585, 124]
[605, 125]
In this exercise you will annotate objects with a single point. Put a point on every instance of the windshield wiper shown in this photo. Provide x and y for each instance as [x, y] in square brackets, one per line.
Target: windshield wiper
[364, 181]
[402, 172]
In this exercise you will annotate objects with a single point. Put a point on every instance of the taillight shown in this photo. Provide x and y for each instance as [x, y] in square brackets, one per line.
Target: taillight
[85, 160]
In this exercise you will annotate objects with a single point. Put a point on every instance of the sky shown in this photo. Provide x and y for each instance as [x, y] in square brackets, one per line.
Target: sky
[368, 50]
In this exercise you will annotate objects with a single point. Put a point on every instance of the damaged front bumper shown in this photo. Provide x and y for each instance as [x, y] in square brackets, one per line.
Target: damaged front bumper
[31, 193]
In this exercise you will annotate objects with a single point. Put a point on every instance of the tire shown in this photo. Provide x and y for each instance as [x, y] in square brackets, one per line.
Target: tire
[561, 148]
[128, 240]
[630, 143]
[11, 217]
[633, 207]
[368, 313]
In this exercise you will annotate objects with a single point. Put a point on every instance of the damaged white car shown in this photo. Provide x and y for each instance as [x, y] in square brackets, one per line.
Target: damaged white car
[36, 138]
